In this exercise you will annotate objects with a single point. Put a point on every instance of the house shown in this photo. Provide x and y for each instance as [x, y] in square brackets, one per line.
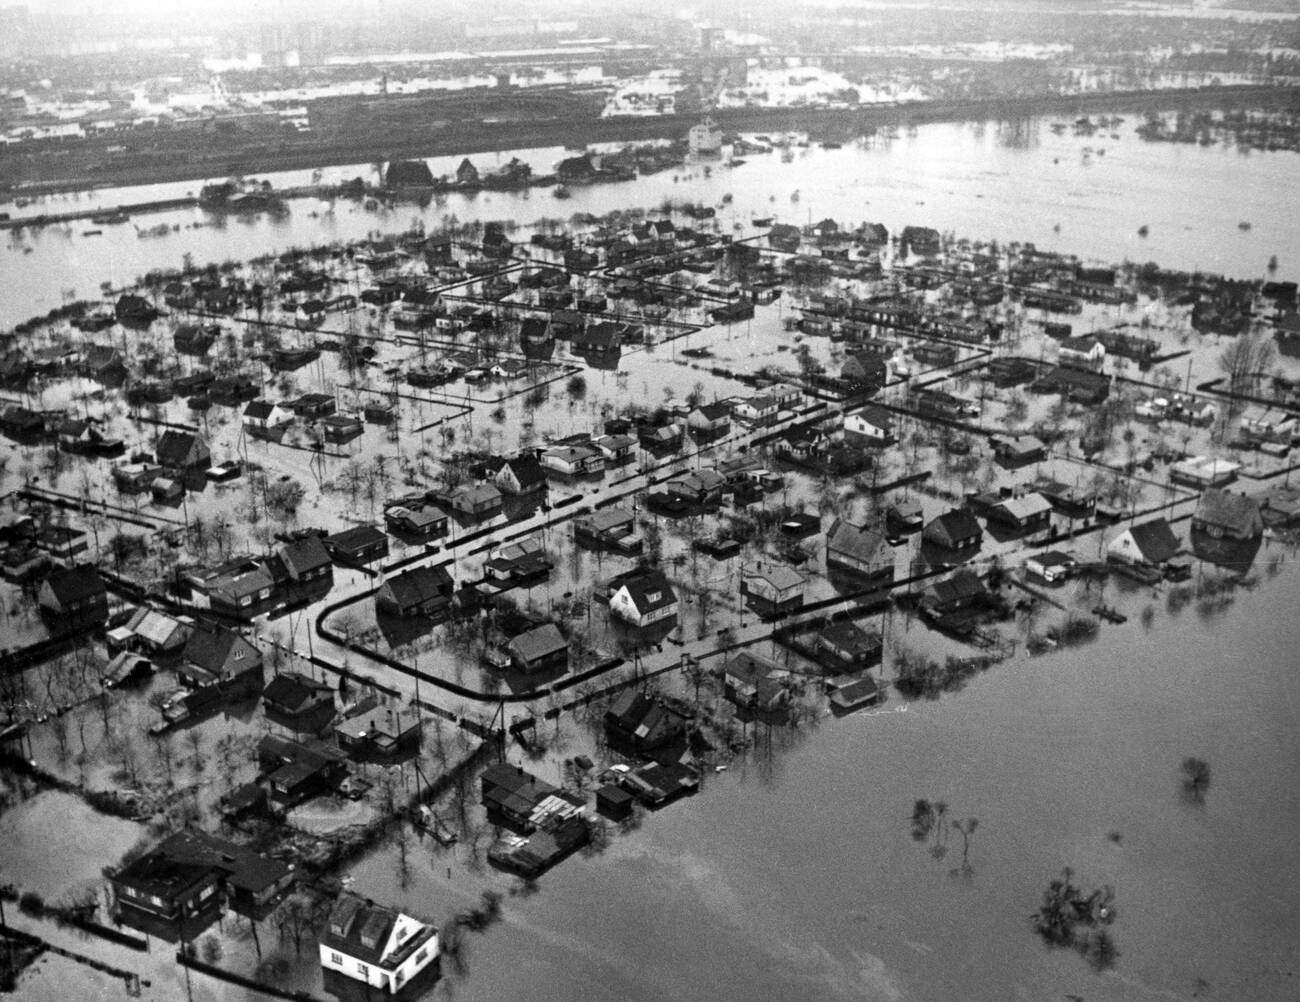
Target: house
[709, 420]
[860, 550]
[758, 410]
[358, 546]
[298, 702]
[1073, 502]
[772, 589]
[643, 598]
[306, 561]
[754, 683]
[961, 591]
[476, 501]
[872, 425]
[151, 631]
[700, 486]
[134, 311]
[1203, 472]
[845, 647]
[954, 530]
[539, 649]
[1222, 514]
[379, 733]
[904, 516]
[338, 429]
[314, 405]
[1081, 353]
[63, 542]
[218, 665]
[296, 771]
[241, 587]
[613, 528]
[1024, 513]
[524, 560]
[74, 597]
[572, 460]
[640, 724]
[864, 373]
[182, 450]
[512, 796]
[704, 138]
[381, 947]
[21, 424]
[655, 784]
[419, 591]
[617, 449]
[1080, 386]
[415, 520]
[180, 887]
[264, 419]
[1017, 450]
[1152, 543]
[166, 490]
[1051, 566]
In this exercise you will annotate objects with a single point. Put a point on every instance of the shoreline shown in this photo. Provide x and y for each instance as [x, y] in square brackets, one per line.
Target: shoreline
[474, 137]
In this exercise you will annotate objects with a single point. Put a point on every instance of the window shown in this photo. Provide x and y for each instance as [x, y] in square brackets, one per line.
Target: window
[363, 970]
[419, 957]
[336, 958]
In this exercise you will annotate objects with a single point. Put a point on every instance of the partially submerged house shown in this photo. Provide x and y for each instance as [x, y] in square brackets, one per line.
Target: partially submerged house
[419, 591]
[179, 888]
[641, 724]
[772, 589]
[1223, 514]
[74, 597]
[539, 649]
[954, 531]
[298, 703]
[1151, 543]
[643, 597]
[862, 551]
[381, 947]
[374, 733]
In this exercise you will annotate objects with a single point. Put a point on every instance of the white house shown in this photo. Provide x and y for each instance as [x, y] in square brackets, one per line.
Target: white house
[644, 599]
[1051, 566]
[379, 946]
[263, 415]
[869, 426]
[1152, 543]
[572, 460]
[1081, 352]
[705, 139]
[757, 410]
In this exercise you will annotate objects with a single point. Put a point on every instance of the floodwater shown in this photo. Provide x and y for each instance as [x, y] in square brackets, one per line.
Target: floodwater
[1010, 181]
[797, 877]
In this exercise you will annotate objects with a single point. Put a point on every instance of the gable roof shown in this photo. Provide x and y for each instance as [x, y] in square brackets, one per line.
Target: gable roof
[293, 690]
[955, 524]
[857, 542]
[211, 648]
[1229, 510]
[304, 555]
[649, 591]
[361, 929]
[538, 642]
[418, 585]
[1155, 540]
[175, 447]
[961, 587]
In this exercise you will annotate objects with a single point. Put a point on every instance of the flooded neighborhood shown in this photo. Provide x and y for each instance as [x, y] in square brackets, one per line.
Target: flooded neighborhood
[597, 503]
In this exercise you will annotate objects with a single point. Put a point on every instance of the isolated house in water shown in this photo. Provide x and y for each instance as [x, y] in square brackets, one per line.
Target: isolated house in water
[1152, 543]
[380, 947]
